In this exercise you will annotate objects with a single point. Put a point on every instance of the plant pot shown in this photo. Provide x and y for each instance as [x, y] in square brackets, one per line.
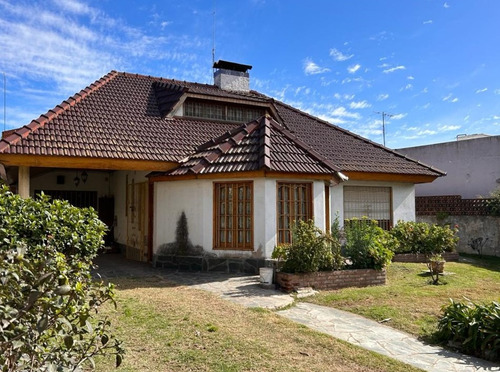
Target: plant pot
[437, 266]
[266, 275]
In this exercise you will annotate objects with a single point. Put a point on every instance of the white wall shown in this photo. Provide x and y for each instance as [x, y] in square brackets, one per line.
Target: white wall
[195, 198]
[403, 199]
[472, 166]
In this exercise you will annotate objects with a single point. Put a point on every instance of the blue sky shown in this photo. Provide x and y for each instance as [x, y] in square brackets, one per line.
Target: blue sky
[434, 65]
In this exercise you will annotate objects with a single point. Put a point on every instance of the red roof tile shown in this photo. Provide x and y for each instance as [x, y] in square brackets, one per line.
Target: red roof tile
[260, 144]
[122, 116]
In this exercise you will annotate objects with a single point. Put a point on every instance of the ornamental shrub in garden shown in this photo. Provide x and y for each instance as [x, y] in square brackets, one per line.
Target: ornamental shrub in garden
[49, 302]
[367, 245]
[424, 238]
[474, 328]
[309, 252]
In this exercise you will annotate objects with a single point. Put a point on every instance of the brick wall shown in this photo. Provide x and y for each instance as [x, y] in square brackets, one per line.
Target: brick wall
[450, 204]
[328, 280]
[421, 258]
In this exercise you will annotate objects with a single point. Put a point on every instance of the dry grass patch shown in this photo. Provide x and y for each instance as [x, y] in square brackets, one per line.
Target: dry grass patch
[175, 328]
[410, 301]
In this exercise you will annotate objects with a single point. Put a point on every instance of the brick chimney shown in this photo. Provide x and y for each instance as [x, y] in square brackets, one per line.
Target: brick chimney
[232, 76]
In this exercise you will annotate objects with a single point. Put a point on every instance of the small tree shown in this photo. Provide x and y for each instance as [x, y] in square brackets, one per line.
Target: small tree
[182, 234]
[48, 300]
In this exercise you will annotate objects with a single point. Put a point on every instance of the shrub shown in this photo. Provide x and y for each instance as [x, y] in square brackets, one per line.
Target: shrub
[48, 299]
[424, 238]
[367, 245]
[309, 251]
[493, 203]
[474, 328]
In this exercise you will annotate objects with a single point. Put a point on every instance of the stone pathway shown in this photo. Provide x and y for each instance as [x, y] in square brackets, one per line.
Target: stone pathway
[368, 334]
[241, 289]
[383, 339]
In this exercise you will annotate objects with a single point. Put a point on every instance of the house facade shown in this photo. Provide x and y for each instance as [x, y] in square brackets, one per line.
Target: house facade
[232, 165]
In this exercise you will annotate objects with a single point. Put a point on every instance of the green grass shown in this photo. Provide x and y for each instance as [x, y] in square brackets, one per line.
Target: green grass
[175, 328]
[410, 301]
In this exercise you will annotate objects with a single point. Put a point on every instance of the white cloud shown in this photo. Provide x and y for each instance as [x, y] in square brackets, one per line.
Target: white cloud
[392, 69]
[428, 22]
[450, 98]
[165, 24]
[481, 90]
[448, 128]
[425, 90]
[343, 113]
[352, 69]
[339, 56]
[311, 68]
[346, 97]
[410, 78]
[398, 116]
[382, 97]
[76, 44]
[359, 105]
[407, 87]
[497, 91]
[446, 5]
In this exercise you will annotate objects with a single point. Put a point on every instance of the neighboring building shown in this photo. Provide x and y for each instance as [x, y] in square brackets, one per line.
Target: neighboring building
[472, 166]
[241, 166]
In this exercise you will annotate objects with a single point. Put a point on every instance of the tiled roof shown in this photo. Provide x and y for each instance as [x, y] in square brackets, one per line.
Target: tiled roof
[347, 150]
[122, 116]
[260, 144]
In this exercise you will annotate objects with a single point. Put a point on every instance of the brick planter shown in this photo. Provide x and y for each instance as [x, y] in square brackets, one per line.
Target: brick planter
[328, 280]
[421, 258]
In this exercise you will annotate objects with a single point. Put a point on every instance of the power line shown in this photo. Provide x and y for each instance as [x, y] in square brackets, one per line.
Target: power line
[384, 115]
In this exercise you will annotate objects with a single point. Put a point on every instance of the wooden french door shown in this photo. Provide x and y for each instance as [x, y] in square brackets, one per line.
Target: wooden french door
[137, 221]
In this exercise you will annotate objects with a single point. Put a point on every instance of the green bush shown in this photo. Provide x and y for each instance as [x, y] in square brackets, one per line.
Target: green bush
[424, 238]
[48, 299]
[474, 328]
[367, 245]
[493, 203]
[310, 250]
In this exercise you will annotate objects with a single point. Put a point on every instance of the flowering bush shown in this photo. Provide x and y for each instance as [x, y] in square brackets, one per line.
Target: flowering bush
[424, 238]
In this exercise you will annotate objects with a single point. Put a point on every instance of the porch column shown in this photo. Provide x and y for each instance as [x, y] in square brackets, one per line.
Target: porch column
[23, 181]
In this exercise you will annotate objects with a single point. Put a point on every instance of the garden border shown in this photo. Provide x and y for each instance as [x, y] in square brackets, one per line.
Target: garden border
[329, 280]
[422, 258]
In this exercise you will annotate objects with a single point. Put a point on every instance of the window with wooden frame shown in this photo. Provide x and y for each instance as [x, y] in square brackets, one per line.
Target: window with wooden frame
[369, 201]
[233, 215]
[293, 203]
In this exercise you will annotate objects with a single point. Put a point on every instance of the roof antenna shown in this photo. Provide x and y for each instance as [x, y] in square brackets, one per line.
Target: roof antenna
[213, 44]
[4, 102]
[384, 115]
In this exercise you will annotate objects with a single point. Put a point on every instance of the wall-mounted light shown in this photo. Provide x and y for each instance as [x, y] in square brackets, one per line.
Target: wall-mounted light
[84, 176]
[76, 180]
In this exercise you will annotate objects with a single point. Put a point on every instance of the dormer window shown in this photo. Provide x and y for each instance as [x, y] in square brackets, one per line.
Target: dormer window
[222, 111]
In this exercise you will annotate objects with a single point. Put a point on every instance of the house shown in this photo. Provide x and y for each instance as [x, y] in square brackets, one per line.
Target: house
[471, 163]
[240, 166]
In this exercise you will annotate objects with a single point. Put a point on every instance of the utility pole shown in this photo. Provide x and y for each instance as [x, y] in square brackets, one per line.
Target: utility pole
[384, 115]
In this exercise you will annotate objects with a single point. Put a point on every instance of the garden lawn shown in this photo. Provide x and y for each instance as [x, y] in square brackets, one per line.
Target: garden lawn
[176, 328]
[410, 302]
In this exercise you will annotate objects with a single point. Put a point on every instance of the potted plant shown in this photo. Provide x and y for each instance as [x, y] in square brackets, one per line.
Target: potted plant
[436, 263]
